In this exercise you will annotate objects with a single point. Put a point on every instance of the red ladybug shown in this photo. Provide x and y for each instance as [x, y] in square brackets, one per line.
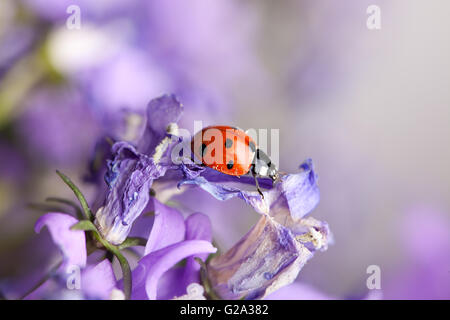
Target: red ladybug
[231, 151]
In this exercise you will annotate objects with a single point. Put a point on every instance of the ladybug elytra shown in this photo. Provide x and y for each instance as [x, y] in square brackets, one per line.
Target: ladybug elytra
[231, 151]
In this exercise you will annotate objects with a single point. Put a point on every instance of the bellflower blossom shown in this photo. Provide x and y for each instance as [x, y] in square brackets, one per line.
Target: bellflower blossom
[154, 277]
[276, 248]
[131, 173]
[97, 282]
[268, 257]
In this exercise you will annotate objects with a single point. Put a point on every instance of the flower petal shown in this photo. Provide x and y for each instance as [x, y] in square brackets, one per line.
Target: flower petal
[267, 258]
[198, 227]
[129, 178]
[72, 243]
[158, 262]
[98, 281]
[298, 193]
[224, 192]
[161, 112]
[168, 228]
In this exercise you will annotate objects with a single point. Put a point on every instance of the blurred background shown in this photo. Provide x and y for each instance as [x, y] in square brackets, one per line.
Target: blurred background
[370, 107]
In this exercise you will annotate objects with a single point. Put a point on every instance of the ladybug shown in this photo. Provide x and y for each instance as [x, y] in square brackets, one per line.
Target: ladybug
[231, 151]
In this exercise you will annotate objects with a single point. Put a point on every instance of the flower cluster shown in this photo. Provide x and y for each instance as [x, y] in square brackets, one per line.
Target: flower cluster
[172, 251]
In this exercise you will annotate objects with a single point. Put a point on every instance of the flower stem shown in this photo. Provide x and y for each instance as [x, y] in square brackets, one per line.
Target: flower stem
[124, 265]
[87, 211]
[87, 225]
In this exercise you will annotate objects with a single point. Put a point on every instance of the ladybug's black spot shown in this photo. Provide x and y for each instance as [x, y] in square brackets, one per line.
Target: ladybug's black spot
[252, 146]
[203, 149]
[230, 165]
[228, 143]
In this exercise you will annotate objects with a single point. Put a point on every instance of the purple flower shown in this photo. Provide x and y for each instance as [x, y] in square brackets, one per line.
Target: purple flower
[267, 258]
[96, 281]
[272, 254]
[131, 173]
[171, 240]
[161, 113]
[129, 178]
[297, 193]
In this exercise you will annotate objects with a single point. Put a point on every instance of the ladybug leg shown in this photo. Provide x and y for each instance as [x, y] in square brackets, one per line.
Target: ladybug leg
[256, 180]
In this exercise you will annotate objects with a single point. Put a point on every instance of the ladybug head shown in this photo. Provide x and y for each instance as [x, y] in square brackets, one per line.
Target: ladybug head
[264, 167]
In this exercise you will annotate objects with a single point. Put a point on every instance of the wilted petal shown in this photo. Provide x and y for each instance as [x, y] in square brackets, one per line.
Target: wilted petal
[267, 258]
[129, 177]
[72, 243]
[158, 262]
[161, 112]
[224, 192]
[297, 192]
[168, 228]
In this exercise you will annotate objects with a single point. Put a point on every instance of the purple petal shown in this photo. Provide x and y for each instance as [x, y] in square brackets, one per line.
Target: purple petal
[98, 281]
[298, 192]
[172, 284]
[198, 227]
[215, 176]
[158, 262]
[223, 192]
[72, 243]
[265, 259]
[161, 112]
[168, 228]
[129, 178]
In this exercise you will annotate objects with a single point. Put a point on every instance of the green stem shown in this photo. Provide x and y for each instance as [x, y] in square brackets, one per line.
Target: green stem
[124, 265]
[87, 211]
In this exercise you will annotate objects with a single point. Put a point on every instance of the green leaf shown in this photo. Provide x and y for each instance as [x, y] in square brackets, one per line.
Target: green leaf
[132, 242]
[87, 211]
[85, 225]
